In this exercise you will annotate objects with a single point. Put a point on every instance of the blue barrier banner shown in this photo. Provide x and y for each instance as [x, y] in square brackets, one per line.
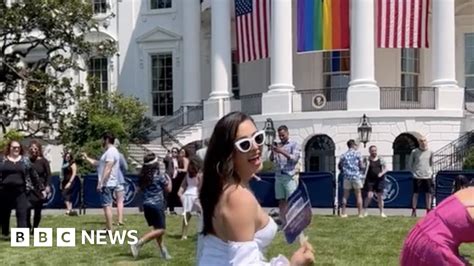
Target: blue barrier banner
[264, 190]
[320, 187]
[92, 197]
[445, 182]
[55, 199]
[398, 191]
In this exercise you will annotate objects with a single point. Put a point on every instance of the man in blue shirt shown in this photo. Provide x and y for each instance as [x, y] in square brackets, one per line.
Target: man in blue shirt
[285, 156]
[350, 165]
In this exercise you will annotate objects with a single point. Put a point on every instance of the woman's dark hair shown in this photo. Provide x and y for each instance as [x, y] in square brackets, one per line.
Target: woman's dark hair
[109, 137]
[71, 157]
[195, 165]
[149, 169]
[460, 182]
[218, 165]
[186, 152]
[6, 151]
[37, 144]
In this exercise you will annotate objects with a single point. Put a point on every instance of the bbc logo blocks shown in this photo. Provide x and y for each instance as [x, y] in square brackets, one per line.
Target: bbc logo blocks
[43, 237]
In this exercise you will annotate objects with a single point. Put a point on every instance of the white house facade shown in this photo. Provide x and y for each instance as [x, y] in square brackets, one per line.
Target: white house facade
[178, 58]
[179, 54]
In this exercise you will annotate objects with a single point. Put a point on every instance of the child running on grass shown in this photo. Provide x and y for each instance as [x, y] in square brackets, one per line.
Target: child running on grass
[188, 193]
[153, 186]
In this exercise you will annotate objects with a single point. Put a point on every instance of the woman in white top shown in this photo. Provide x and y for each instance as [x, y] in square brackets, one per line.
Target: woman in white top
[236, 230]
[188, 193]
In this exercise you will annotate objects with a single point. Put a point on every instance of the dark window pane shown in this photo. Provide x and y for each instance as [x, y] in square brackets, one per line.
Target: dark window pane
[99, 70]
[162, 83]
[336, 69]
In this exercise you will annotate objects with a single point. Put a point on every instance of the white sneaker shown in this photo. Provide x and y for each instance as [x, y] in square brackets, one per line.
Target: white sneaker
[135, 249]
[383, 215]
[164, 254]
[366, 213]
[343, 215]
[361, 215]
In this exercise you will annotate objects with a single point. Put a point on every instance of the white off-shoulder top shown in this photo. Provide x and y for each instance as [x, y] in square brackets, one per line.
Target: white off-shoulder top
[215, 252]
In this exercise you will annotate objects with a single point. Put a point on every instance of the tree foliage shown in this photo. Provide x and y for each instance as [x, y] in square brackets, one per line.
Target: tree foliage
[40, 43]
[10, 135]
[81, 131]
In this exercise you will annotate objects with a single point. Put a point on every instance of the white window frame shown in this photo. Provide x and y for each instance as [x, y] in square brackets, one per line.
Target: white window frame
[235, 75]
[107, 7]
[328, 56]
[466, 49]
[153, 92]
[150, 12]
[412, 93]
[101, 89]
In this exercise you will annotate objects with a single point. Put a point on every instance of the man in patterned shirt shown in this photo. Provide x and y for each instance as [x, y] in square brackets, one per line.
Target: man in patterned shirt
[350, 165]
[285, 156]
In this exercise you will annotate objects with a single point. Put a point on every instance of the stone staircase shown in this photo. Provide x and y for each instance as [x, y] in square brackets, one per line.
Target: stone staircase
[190, 134]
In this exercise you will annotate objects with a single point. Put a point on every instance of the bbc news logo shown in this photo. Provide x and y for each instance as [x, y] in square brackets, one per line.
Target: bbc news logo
[66, 237]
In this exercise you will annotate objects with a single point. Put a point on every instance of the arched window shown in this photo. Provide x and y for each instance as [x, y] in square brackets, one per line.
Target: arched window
[402, 147]
[320, 154]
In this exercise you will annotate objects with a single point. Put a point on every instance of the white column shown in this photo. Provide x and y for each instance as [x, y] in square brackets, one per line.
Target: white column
[219, 102]
[281, 48]
[280, 92]
[363, 93]
[191, 53]
[448, 94]
[220, 49]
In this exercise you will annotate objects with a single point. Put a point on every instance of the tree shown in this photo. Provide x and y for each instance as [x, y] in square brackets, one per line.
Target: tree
[40, 41]
[10, 135]
[81, 130]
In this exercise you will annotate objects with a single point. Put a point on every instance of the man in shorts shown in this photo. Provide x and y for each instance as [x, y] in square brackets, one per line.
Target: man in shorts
[350, 164]
[374, 179]
[420, 164]
[108, 170]
[285, 156]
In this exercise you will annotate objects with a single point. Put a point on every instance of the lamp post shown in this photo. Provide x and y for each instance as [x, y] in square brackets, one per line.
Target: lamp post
[364, 130]
[269, 132]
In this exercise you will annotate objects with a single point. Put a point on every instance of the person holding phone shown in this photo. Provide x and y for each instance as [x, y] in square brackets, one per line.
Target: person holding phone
[285, 157]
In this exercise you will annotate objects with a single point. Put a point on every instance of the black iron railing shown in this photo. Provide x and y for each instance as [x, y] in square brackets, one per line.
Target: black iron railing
[251, 103]
[327, 99]
[451, 156]
[407, 98]
[186, 117]
[162, 120]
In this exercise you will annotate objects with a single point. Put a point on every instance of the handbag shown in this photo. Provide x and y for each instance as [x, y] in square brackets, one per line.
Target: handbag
[33, 192]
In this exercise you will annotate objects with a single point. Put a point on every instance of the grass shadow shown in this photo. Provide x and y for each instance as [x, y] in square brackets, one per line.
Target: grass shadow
[93, 223]
[127, 256]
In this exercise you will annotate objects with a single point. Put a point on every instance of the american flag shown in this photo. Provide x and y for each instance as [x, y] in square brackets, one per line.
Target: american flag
[402, 23]
[253, 29]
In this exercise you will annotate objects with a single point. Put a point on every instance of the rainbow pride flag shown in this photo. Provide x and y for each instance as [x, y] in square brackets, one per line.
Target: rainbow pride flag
[322, 25]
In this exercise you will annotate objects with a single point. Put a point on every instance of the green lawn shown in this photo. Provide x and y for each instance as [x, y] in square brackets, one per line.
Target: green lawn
[352, 241]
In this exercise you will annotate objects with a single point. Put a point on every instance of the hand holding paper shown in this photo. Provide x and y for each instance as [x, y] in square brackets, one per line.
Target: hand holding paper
[298, 213]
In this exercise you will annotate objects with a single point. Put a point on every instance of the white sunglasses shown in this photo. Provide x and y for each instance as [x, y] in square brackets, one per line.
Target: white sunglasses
[245, 145]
